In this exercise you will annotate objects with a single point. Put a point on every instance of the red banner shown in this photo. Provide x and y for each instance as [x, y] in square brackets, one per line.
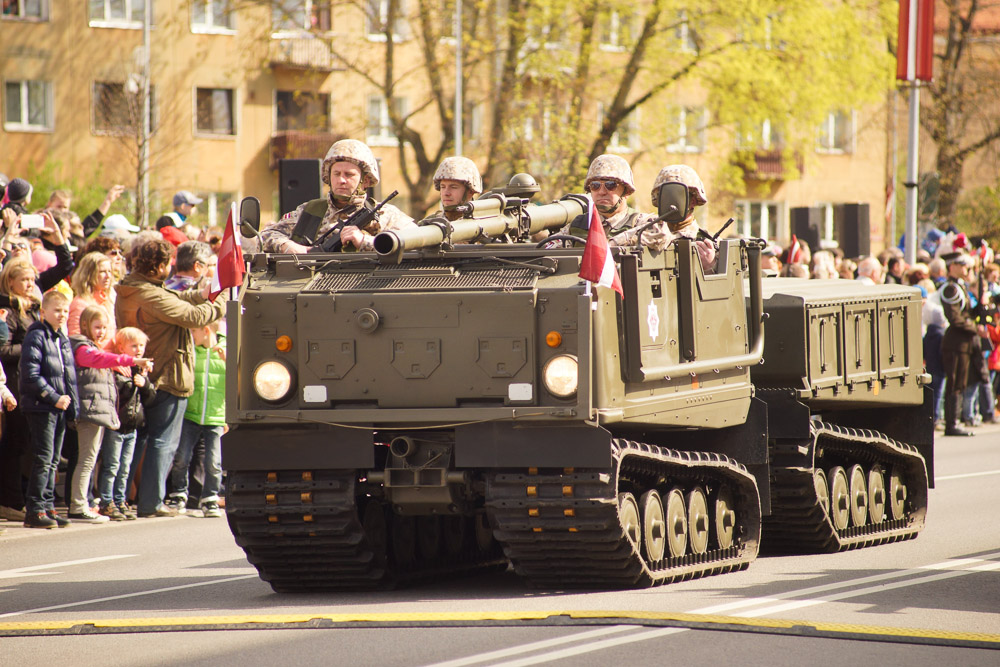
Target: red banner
[915, 47]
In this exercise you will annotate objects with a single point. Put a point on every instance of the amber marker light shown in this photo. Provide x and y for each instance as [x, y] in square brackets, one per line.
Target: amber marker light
[553, 339]
[283, 343]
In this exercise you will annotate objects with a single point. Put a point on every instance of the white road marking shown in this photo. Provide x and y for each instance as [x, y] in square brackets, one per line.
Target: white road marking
[588, 648]
[52, 568]
[534, 646]
[984, 473]
[155, 591]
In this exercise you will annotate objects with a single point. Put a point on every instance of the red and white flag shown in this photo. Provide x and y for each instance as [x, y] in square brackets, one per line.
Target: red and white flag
[598, 266]
[229, 272]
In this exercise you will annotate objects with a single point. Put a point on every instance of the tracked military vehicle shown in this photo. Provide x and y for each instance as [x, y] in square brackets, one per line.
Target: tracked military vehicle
[440, 406]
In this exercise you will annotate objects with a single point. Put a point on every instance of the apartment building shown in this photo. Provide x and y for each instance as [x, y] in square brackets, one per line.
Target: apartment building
[234, 92]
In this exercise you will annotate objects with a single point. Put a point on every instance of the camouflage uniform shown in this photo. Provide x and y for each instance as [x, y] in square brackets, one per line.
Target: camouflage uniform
[617, 227]
[689, 228]
[276, 235]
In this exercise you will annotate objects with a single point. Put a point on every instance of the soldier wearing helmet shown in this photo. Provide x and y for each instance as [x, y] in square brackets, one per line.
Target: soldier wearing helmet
[609, 182]
[457, 179]
[349, 169]
[688, 228]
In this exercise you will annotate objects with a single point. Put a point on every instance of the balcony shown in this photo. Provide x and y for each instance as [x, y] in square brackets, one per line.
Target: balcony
[295, 144]
[302, 53]
[769, 165]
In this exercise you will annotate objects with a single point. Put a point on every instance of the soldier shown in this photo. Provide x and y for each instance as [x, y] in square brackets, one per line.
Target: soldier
[349, 169]
[689, 227]
[458, 181]
[961, 339]
[609, 182]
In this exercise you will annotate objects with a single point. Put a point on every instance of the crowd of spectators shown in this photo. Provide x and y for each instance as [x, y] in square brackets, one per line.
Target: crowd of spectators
[99, 325]
[928, 273]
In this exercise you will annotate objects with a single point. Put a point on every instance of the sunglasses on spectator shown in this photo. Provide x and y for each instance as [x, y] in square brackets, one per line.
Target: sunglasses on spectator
[19, 246]
[115, 253]
[595, 186]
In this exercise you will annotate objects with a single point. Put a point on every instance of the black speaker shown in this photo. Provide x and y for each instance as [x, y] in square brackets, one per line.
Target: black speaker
[807, 223]
[850, 223]
[300, 182]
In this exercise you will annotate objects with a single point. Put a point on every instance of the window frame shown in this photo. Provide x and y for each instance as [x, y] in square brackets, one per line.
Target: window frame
[328, 111]
[400, 32]
[118, 131]
[210, 28]
[683, 132]
[385, 137]
[631, 126]
[50, 110]
[617, 24]
[828, 130]
[127, 23]
[234, 106]
[777, 230]
[284, 32]
[43, 15]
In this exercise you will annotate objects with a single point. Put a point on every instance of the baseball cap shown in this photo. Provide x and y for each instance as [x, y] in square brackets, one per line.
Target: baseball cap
[186, 197]
[118, 222]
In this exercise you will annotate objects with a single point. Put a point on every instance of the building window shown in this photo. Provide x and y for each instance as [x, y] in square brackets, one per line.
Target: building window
[117, 13]
[685, 34]
[212, 16]
[300, 16]
[26, 9]
[760, 219]
[215, 111]
[377, 18]
[836, 133]
[764, 136]
[298, 110]
[380, 130]
[118, 107]
[618, 30]
[28, 106]
[686, 130]
[625, 139]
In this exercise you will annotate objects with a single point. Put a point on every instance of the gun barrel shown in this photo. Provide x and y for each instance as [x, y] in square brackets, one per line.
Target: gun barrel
[489, 219]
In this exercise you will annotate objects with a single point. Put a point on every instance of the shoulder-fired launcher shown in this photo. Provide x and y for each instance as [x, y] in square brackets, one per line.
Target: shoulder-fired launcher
[491, 216]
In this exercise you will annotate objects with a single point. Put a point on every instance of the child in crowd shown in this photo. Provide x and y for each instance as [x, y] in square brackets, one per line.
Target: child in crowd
[135, 392]
[47, 384]
[98, 409]
[205, 417]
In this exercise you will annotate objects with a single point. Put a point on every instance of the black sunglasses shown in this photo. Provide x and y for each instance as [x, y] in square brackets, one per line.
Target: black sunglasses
[594, 186]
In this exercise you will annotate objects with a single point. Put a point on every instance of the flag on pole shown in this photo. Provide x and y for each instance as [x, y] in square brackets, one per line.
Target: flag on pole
[229, 272]
[598, 266]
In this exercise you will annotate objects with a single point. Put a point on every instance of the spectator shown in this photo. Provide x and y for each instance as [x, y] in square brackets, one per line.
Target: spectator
[49, 400]
[870, 271]
[111, 248]
[894, 269]
[59, 200]
[937, 271]
[93, 285]
[847, 269]
[171, 224]
[18, 195]
[166, 317]
[92, 223]
[191, 265]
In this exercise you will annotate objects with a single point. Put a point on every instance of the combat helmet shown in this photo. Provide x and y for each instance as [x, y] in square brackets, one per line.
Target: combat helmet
[356, 152]
[680, 173]
[611, 166]
[461, 169]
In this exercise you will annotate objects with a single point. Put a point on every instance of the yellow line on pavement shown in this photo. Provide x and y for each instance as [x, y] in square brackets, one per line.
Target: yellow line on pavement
[564, 618]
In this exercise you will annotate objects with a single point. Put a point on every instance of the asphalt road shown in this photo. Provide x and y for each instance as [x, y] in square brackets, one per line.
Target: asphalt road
[178, 591]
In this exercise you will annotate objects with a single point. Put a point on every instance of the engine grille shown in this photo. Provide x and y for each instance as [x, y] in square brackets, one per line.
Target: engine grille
[424, 277]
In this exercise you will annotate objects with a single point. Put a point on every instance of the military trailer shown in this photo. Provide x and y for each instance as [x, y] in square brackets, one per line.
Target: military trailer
[439, 406]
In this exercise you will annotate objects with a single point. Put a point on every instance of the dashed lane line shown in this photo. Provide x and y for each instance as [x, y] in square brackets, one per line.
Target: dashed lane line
[53, 568]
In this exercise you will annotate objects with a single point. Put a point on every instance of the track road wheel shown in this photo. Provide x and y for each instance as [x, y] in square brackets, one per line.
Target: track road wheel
[822, 489]
[654, 530]
[724, 518]
[677, 528]
[404, 539]
[376, 530]
[840, 498]
[876, 494]
[859, 496]
[628, 516]
[698, 520]
[897, 495]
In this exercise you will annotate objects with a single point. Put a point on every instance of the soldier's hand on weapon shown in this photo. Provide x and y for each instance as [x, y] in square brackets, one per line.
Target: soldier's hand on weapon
[706, 252]
[353, 235]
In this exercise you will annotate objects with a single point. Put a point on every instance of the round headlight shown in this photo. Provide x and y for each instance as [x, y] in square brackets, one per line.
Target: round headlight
[272, 381]
[560, 375]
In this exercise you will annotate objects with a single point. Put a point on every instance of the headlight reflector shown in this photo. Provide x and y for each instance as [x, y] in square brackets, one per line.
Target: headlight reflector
[561, 375]
[272, 380]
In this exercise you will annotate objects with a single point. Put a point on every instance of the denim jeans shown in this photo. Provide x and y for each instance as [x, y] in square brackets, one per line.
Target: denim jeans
[47, 430]
[191, 433]
[116, 456]
[163, 431]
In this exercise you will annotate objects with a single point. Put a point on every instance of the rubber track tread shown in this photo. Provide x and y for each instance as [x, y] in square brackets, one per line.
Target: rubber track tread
[305, 535]
[798, 522]
[562, 538]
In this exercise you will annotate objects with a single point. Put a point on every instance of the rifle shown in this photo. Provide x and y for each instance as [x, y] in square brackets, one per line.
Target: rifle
[330, 241]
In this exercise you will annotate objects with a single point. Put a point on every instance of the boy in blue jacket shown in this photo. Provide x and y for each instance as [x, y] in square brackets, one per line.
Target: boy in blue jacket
[48, 400]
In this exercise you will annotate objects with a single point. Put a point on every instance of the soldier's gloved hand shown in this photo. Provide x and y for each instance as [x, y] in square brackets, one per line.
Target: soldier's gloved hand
[353, 235]
[706, 252]
[656, 237]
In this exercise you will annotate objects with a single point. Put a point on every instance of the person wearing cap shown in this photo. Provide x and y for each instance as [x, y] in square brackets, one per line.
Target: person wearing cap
[688, 228]
[18, 196]
[458, 180]
[961, 338]
[185, 203]
[92, 223]
[349, 169]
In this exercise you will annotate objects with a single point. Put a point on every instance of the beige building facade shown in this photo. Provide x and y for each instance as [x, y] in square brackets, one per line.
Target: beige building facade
[235, 92]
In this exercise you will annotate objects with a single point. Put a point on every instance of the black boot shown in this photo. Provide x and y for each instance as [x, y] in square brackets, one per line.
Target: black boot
[952, 406]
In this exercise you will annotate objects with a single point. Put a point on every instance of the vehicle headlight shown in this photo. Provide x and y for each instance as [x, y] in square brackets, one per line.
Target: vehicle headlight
[561, 375]
[272, 380]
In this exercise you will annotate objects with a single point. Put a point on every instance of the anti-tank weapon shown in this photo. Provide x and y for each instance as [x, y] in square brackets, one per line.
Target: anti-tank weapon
[491, 216]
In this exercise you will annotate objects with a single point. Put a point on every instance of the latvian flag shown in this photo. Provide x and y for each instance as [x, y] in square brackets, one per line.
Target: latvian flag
[598, 266]
[229, 272]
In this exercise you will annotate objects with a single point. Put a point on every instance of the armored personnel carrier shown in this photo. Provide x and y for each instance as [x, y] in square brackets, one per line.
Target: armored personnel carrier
[440, 406]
